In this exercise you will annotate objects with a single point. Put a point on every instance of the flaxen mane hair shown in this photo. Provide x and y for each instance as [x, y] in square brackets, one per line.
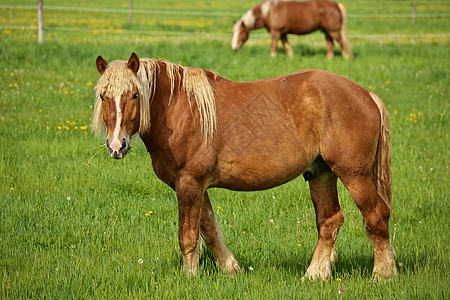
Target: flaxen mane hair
[119, 79]
[248, 19]
[267, 5]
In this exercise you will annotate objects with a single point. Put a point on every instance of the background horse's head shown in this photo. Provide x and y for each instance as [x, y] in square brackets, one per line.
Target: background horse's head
[240, 35]
[118, 109]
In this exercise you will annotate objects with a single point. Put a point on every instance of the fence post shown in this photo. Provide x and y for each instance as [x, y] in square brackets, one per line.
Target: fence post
[40, 10]
[130, 15]
[414, 11]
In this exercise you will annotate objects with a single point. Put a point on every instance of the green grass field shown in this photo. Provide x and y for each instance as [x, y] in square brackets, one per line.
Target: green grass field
[76, 224]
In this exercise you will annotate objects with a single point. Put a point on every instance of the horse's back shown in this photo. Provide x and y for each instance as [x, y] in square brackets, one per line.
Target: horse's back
[304, 17]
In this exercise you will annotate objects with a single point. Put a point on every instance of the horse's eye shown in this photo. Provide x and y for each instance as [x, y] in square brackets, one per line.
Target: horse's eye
[101, 97]
[135, 96]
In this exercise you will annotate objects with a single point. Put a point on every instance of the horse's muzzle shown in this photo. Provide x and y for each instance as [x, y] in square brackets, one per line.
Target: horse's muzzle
[118, 150]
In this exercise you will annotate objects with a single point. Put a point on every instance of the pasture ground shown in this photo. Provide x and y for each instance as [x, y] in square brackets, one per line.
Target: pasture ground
[76, 224]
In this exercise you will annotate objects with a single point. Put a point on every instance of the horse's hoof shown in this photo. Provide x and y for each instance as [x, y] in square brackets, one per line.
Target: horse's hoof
[232, 267]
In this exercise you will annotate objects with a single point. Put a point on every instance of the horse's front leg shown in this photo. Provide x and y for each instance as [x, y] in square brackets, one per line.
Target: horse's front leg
[190, 195]
[286, 45]
[275, 37]
[213, 238]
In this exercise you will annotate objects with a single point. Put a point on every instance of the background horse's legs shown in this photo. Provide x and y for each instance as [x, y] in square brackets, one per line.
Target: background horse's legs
[376, 216]
[275, 37]
[286, 45]
[212, 236]
[190, 196]
[329, 219]
[330, 45]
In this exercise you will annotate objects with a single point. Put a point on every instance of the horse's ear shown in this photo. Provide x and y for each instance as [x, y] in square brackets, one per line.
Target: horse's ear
[101, 64]
[133, 63]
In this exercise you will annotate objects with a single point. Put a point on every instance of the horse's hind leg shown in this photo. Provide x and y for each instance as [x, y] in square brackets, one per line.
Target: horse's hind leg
[330, 46]
[376, 216]
[337, 36]
[329, 219]
[212, 236]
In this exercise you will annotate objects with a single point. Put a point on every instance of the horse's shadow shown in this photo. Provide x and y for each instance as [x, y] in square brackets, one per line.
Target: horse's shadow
[361, 265]
[304, 50]
[300, 50]
[290, 265]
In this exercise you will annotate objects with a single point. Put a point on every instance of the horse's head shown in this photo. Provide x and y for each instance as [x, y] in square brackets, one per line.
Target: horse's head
[117, 111]
[240, 35]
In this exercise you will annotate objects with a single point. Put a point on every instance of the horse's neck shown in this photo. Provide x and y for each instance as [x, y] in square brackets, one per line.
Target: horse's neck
[166, 86]
[259, 19]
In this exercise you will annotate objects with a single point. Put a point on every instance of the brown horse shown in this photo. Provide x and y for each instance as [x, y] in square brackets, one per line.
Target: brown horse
[281, 17]
[203, 131]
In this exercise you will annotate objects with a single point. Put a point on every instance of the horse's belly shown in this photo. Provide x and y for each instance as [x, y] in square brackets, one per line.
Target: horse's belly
[261, 167]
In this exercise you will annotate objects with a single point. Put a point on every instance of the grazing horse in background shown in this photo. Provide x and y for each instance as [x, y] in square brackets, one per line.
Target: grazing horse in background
[203, 131]
[281, 17]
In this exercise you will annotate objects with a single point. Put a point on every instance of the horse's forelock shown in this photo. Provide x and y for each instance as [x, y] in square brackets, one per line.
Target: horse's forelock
[116, 80]
[236, 26]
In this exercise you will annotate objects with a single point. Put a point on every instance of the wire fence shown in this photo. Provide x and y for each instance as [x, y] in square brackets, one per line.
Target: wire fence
[385, 37]
[208, 13]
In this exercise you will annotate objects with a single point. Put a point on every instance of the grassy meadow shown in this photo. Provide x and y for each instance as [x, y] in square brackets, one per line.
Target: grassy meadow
[76, 224]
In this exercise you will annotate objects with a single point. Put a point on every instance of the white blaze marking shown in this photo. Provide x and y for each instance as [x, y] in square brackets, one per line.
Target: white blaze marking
[234, 41]
[116, 144]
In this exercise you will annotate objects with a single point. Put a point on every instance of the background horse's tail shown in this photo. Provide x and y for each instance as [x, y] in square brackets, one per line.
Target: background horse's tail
[381, 173]
[346, 49]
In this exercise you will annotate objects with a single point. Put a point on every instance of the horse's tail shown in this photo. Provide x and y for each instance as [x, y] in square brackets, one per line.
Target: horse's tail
[381, 172]
[346, 49]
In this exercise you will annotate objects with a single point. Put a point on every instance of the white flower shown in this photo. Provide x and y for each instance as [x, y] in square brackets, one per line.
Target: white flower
[271, 221]
[250, 268]
[68, 198]
[140, 261]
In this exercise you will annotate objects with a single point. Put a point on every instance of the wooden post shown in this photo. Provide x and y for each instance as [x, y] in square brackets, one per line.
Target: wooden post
[40, 10]
[414, 11]
[130, 15]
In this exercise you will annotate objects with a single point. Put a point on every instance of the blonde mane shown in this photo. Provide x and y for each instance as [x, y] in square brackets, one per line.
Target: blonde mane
[267, 5]
[119, 79]
[249, 20]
